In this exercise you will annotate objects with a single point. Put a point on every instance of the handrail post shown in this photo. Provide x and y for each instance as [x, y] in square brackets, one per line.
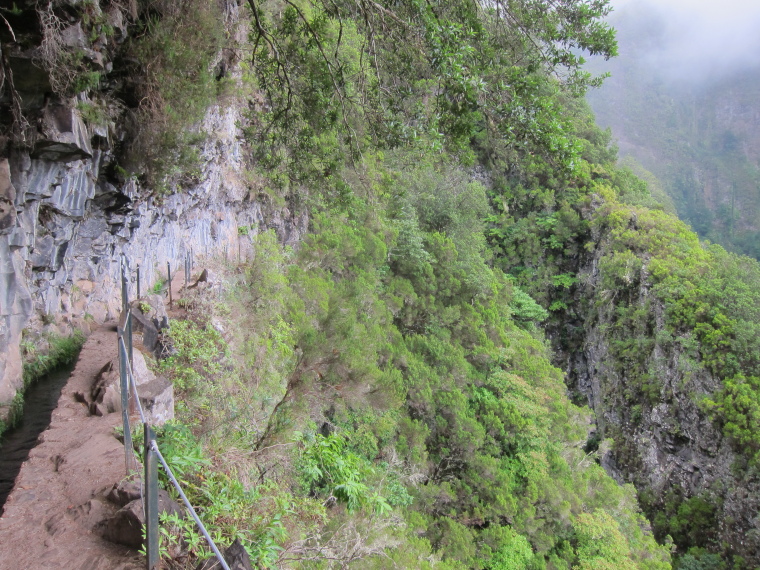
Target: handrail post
[124, 387]
[130, 360]
[125, 308]
[138, 280]
[169, 280]
[124, 294]
[128, 332]
[151, 498]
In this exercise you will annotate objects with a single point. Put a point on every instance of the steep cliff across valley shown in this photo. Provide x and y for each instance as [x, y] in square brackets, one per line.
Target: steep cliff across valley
[657, 332]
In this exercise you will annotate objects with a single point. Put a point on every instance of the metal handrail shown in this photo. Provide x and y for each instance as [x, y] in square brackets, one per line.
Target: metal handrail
[152, 452]
[185, 500]
[132, 382]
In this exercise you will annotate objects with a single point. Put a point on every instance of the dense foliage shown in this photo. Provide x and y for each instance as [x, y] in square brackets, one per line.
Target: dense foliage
[339, 76]
[385, 395]
[403, 384]
[420, 409]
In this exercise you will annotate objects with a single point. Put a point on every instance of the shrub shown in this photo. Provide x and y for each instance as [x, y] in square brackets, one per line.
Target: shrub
[180, 43]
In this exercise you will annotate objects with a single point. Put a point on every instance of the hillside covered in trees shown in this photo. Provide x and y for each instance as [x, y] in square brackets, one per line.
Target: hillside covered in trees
[494, 348]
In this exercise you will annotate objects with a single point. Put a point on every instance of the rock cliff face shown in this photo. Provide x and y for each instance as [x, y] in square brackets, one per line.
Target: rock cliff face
[665, 442]
[68, 221]
[15, 300]
[66, 228]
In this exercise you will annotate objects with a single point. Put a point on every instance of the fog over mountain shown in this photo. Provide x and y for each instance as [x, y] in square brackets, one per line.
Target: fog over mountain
[683, 100]
[692, 41]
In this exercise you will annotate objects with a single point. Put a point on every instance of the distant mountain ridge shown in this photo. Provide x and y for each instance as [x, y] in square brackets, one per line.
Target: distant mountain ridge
[699, 136]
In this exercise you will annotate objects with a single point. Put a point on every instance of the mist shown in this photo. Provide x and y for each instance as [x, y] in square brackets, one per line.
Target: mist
[690, 41]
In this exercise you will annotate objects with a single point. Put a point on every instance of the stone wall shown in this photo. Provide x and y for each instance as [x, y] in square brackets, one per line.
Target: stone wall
[64, 226]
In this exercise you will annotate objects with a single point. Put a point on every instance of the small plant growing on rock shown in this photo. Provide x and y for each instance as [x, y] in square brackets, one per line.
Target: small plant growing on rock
[199, 351]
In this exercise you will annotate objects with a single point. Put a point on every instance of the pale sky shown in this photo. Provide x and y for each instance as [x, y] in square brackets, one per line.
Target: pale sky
[719, 10]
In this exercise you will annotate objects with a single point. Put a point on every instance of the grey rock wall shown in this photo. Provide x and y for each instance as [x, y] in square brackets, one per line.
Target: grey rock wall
[666, 444]
[15, 299]
[65, 229]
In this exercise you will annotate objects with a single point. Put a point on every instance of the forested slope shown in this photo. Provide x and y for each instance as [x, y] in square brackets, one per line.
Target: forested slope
[408, 386]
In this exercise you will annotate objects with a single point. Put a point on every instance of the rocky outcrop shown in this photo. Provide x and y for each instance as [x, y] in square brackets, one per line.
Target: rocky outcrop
[149, 324]
[156, 393]
[16, 304]
[65, 137]
[235, 556]
[68, 222]
[71, 227]
[665, 442]
[126, 525]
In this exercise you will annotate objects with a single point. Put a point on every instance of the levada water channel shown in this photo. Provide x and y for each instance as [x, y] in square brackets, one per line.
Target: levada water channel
[40, 399]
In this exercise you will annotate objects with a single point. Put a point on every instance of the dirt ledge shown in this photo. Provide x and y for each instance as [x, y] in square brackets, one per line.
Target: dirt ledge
[58, 496]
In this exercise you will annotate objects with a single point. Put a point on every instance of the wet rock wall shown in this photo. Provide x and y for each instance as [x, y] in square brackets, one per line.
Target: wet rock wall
[65, 228]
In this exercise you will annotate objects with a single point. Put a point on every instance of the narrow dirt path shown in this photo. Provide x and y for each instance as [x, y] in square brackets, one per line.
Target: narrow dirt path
[58, 496]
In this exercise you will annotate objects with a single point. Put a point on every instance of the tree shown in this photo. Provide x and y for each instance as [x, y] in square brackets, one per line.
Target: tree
[600, 544]
[395, 73]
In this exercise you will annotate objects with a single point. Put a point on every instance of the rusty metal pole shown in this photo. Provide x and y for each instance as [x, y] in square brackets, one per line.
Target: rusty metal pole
[124, 387]
[151, 498]
[124, 296]
[128, 332]
[125, 307]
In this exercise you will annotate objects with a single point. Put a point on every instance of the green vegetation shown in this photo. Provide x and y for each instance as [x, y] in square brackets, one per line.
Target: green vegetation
[659, 293]
[257, 517]
[61, 350]
[384, 394]
[337, 78]
[158, 286]
[392, 370]
[378, 357]
[70, 67]
[177, 44]
[38, 363]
